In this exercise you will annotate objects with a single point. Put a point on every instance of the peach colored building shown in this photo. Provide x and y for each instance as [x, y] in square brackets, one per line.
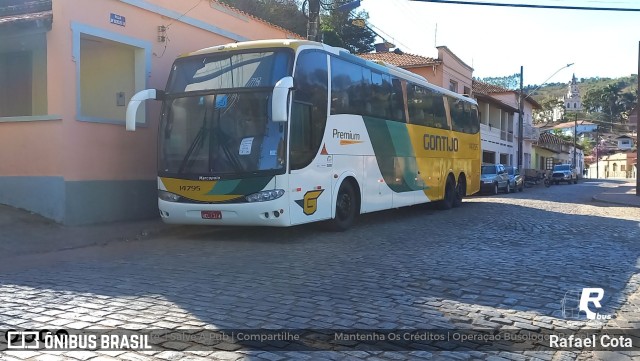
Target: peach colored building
[447, 71]
[67, 71]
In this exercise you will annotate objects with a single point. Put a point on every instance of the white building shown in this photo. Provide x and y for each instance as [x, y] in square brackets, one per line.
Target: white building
[625, 142]
[495, 97]
[496, 125]
[573, 100]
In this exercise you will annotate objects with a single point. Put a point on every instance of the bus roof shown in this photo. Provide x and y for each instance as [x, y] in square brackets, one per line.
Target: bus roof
[344, 53]
[257, 44]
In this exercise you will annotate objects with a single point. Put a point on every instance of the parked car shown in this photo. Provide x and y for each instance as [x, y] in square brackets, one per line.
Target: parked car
[494, 177]
[516, 181]
[564, 173]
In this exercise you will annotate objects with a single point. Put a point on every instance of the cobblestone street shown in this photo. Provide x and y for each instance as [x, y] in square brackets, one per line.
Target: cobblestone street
[499, 262]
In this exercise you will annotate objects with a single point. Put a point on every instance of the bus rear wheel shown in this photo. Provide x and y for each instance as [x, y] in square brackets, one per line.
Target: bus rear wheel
[449, 195]
[346, 208]
[461, 192]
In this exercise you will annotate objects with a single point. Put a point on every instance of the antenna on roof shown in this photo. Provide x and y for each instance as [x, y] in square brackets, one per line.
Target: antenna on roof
[435, 37]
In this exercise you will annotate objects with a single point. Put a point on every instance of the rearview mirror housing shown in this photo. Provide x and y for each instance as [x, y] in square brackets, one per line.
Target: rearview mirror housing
[134, 104]
[280, 99]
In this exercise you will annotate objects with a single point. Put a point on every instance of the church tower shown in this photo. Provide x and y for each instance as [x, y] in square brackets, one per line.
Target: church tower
[572, 100]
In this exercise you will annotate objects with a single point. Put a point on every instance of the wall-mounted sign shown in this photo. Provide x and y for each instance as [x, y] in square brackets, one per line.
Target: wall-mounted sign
[117, 19]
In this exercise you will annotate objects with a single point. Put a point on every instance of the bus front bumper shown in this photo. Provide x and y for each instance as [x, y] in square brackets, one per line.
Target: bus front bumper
[271, 213]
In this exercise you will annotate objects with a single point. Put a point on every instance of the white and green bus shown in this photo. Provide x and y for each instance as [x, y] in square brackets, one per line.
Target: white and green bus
[286, 132]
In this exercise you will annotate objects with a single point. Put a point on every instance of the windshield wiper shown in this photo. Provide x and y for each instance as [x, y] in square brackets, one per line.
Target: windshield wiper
[197, 143]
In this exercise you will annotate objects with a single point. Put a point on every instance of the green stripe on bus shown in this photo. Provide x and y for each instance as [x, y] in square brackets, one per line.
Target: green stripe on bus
[252, 185]
[240, 186]
[392, 147]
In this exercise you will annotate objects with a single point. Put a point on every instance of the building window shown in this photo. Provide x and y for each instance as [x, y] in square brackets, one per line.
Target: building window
[550, 163]
[615, 167]
[453, 86]
[623, 168]
[467, 91]
[110, 69]
[488, 157]
[23, 75]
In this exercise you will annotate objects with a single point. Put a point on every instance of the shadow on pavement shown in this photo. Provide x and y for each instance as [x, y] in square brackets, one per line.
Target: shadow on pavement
[396, 269]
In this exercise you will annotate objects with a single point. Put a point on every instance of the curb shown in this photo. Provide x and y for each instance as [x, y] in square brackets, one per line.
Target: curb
[598, 199]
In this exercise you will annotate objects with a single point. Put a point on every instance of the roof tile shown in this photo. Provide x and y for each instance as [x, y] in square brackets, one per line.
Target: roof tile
[401, 60]
[486, 88]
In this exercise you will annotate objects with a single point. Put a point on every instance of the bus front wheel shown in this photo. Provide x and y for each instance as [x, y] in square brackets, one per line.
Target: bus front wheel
[346, 208]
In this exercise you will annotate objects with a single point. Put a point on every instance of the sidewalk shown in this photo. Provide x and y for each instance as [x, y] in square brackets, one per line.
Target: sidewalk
[23, 232]
[624, 195]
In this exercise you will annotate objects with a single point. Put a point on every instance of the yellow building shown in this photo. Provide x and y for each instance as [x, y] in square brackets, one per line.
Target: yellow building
[622, 165]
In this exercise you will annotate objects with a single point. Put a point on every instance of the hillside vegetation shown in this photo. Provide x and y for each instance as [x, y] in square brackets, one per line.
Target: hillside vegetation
[557, 90]
[605, 101]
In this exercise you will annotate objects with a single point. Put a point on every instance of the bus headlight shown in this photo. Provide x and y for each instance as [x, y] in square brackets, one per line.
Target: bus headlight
[168, 196]
[265, 196]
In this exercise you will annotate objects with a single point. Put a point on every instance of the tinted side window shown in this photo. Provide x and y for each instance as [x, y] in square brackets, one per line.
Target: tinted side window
[356, 89]
[309, 108]
[397, 100]
[458, 117]
[475, 119]
[426, 107]
[381, 95]
[349, 89]
[464, 116]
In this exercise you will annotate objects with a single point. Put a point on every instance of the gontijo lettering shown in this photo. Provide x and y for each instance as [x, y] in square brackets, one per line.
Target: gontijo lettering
[440, 143]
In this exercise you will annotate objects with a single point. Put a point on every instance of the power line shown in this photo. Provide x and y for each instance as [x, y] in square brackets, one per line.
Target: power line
[528, 5]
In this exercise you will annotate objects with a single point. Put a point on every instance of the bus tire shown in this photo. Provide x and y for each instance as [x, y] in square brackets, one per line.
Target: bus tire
[346, 208]
[461, 191]
[449, 195]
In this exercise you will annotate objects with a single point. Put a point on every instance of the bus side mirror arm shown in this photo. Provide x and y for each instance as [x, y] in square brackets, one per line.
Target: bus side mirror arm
[279, 99]
[134, 104]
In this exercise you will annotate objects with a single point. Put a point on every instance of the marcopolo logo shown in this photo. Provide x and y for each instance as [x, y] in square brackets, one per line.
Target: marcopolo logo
[578, 305]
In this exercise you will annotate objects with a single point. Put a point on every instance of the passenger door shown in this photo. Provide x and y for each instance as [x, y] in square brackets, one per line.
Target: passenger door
[310, 181]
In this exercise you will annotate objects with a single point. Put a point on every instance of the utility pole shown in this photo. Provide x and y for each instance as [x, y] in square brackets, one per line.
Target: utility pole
[313, 23]
[575, 143]
[597, 151]
[637, 129]
[521, 123]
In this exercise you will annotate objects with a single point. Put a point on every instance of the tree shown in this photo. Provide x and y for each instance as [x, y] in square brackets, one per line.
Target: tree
[338, 30]
[548, 107]
[586, 145]
[511, 82]
[560, 134]
[284, 13]
[336, 26]
[610, 100]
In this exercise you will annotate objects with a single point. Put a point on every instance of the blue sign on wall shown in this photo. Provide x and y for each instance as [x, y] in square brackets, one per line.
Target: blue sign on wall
[117, 19]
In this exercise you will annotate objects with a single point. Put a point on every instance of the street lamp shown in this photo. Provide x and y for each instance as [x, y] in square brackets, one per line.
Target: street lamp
[521, 109]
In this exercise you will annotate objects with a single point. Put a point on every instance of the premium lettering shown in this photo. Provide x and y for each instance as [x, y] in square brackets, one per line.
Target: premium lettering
[345, 135]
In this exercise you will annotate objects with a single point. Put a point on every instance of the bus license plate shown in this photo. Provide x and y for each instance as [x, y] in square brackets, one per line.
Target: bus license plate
[211, 214]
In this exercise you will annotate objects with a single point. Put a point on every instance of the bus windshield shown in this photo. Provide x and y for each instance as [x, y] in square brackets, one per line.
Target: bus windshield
[229, 70]
[220, 135]
[216, 119]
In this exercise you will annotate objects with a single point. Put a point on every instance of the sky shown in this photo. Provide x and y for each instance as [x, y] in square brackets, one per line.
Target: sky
[497, 41]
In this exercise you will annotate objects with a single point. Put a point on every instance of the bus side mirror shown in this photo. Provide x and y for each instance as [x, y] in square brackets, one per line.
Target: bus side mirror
[279, 99]
[136, 100]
